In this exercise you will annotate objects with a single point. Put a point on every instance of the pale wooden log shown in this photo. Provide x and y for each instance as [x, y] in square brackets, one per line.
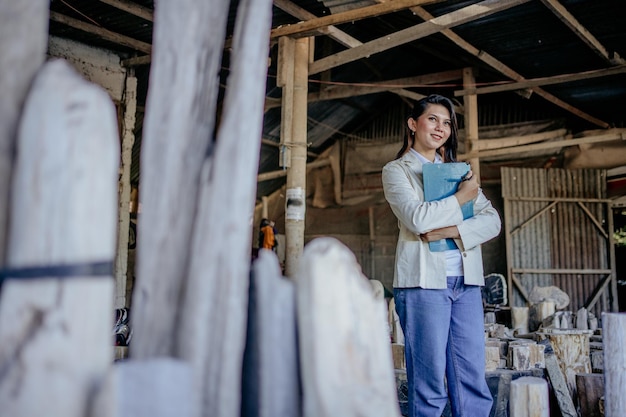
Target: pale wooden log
[347, 367]
[159, 387]
[271, 384]
[188, 38]
[529, 397]
[55, 334]
[590, 389]
[397, 336]
[23, 42]
[614, 340]
[519, 318]
[211, 334]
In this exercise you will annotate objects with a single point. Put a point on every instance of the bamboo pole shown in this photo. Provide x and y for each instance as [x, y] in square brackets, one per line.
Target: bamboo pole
[295, 201]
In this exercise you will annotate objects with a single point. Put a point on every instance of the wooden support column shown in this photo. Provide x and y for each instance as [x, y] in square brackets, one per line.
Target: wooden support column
[123, 225]
[295, 197]
[470, 102]
[614, 340]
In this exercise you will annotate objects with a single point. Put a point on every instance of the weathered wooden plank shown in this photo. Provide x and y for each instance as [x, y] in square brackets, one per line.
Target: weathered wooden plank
[529, 397]
[23, 42]
[590, 389]
[211, 334]
[55, 333]
[347, 368]
[614, 340]
[559, 384]
[271, 378]
[178, 125]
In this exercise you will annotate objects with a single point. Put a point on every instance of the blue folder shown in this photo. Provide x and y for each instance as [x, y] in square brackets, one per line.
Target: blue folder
[440, 181]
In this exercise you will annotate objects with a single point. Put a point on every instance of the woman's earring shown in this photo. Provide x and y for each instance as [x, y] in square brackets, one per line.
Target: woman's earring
[412, 132]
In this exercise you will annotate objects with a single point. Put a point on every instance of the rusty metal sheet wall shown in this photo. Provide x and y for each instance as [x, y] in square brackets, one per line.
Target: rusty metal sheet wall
[558, 234]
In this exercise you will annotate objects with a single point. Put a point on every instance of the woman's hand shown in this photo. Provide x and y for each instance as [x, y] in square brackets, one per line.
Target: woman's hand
[438, 234]
[468, 189]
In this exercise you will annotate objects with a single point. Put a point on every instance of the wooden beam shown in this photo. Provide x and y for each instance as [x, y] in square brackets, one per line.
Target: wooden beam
[612, 134]
[571, 22]
[271, 175]
[435, 25]
[558, 79]
[343, 91]
[136, 61]
[331, 31]
[102, 33]
[500, 143]
[505, 70]
[132, 8]
[309, 27]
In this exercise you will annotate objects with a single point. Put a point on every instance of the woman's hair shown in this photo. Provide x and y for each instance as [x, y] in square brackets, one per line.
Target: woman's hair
[448, 150]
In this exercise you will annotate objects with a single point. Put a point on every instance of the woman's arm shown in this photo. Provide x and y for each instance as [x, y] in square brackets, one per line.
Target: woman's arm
[407, 202]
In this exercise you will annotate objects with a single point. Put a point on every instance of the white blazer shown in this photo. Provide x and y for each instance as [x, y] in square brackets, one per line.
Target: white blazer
[416, 265]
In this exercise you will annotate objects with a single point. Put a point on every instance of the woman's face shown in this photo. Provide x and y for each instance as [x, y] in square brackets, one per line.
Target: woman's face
[432, 129]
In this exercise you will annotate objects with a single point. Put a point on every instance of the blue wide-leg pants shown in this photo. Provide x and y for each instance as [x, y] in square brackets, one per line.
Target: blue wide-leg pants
[444, 347]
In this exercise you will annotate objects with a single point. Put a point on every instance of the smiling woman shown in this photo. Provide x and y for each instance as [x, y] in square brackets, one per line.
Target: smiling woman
[437, 293]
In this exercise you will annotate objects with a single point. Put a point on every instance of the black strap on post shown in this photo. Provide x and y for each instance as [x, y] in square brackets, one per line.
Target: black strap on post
[87, 269]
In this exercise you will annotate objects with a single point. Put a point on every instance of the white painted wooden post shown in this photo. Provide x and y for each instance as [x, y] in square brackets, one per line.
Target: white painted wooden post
[128, 140]
[614, 342]
[55, 332]
[23, 42]
[346, 363]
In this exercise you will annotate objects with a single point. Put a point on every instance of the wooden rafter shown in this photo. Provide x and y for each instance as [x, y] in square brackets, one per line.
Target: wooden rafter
[102, 33]
[432, 26]
[505, 70]
[331, 31]
[535, 82]
[570, 21]
[132, 8]
[608, 136]
[310, 26]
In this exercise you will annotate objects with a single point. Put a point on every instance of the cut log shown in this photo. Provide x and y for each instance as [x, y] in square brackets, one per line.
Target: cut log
[347, 367]
[271, 383]
[55, 332]
[529, 397]
[614, 340]
[23, 42]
